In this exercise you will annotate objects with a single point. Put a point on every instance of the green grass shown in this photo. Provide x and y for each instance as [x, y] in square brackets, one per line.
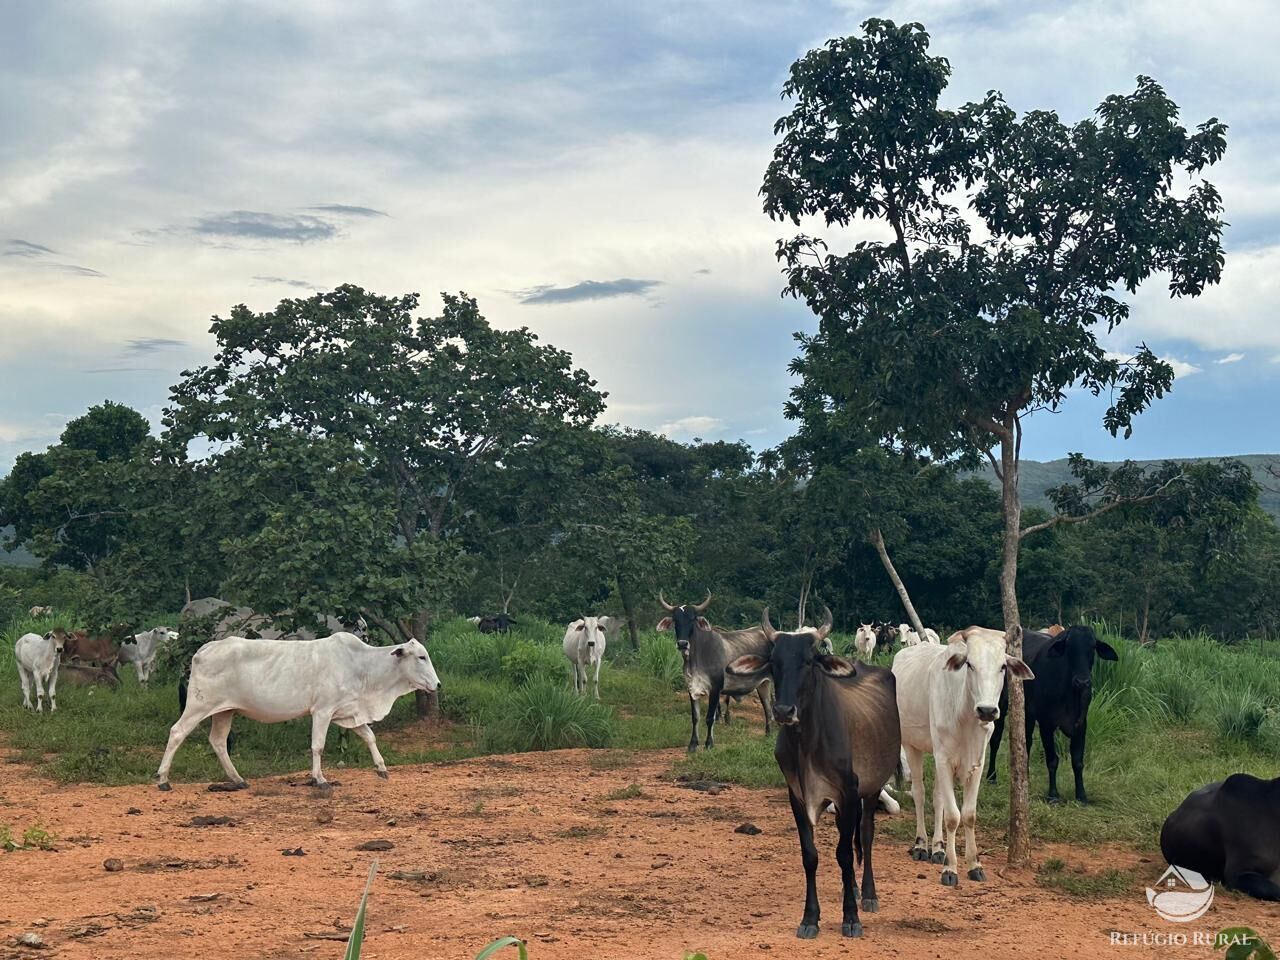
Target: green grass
[1055, 875]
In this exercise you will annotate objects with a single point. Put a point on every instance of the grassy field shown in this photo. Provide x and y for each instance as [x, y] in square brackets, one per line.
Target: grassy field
[1164, 720]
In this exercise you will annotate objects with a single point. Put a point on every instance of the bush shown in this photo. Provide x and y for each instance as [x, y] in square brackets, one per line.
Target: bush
[548, 716]
[659, 658]
[1238, 714]
[528, 663]
[470, 699]
[1177, 693]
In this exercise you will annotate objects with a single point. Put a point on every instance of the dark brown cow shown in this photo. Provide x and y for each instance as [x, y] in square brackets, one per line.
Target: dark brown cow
[838, 743]
[98, 649]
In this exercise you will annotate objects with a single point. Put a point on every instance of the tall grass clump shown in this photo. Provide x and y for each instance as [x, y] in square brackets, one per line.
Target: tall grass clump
[660, 659]
[549, 716]
[1125, 672]
[1238, 714]
[529, 663]
[1175, 690]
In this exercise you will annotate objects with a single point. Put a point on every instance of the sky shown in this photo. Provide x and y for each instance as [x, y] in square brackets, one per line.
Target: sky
[589, 170]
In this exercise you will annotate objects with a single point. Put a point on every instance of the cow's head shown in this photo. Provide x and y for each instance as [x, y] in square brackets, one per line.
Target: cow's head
[791, 661]
[685, 620]
[980, 654]
[1078, 646]
[416, 665]
[59, 638]
[592, 630]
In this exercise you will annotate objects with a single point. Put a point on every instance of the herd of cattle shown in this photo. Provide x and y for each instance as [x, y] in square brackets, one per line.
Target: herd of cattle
[846, 727]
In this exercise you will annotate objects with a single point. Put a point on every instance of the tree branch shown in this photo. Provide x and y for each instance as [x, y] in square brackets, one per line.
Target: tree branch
[1061, 519]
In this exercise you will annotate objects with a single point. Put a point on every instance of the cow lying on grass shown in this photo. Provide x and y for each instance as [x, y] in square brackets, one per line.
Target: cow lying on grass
[338, 679]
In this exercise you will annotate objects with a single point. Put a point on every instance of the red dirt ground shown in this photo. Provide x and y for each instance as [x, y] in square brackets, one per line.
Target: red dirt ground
[528, 845]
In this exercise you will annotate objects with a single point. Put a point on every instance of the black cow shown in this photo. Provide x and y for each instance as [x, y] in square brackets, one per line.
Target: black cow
[1057, 699]
[501, 623]
[1229, 831]
[838, 743]
[706, 652]
[182, 708]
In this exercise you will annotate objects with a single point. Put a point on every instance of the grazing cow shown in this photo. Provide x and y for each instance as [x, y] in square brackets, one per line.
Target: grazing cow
[838, 743]
[864, 641]
[584, 644]
[40, 611]
[1229, 831]
[500, 623]
[706, 651]
[99, 649]
[338, 679]
[1057, 699]
[142, 648]
[38, 659]
[90, 675]
[948, 699]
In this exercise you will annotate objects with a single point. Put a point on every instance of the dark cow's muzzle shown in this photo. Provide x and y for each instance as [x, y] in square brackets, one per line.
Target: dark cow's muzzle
[988, 714]
[786, 714]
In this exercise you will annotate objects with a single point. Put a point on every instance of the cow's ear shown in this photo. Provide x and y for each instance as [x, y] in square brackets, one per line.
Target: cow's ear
[605, 622]
[703, 623]
[398, 652]
[1019, 669]
[747, 665]
[664, 624]
[959, 656]
[1058, 647]
[582, 625]
[836, 666]
[1105, 651]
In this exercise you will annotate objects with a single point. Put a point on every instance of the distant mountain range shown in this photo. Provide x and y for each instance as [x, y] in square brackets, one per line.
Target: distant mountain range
[1037, 477]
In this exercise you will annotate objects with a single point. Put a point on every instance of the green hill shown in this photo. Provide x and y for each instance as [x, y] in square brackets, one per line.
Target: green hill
[1038, 476]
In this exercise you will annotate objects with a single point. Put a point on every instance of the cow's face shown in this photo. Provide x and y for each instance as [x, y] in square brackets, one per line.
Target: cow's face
[981, 657]
[792, 660]
[416, 664]
[686, 621]
[1078, 646]
[591, 631]
[59, 641]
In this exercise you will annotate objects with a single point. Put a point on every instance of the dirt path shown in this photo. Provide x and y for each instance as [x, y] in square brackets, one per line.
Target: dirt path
[529, 845]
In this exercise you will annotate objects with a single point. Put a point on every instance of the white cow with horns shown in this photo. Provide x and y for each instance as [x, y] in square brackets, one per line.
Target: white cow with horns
[338, 679]
[948, 700]
[584, 644]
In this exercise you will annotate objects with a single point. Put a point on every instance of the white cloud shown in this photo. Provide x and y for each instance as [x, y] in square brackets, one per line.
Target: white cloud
[1230, 358]
[1181, 368]
[692, 427]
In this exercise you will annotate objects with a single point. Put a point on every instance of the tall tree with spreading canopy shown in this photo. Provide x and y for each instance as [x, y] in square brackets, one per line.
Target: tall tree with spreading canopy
[397, 418]
[1000, 247]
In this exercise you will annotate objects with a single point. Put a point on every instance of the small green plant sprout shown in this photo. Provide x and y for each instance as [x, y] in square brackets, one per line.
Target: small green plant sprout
[695, 956]
[6, 839]
[36, 837]
[1244, 943]
[502, 944]
[356, 940]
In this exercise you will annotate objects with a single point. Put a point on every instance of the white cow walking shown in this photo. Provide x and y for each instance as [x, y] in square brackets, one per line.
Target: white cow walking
[864, 641]
[948, 699]
[142, 649]
[584, 644]
[338, 679]
[38, 658]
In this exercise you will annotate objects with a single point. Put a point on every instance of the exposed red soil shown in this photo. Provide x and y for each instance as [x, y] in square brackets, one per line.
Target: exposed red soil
[528, 845]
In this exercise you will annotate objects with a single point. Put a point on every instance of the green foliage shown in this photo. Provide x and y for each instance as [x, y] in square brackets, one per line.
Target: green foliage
[529, 663]
[1081, 884]
[659, 658]
[1244, 943]
[549, 716]
[1238, 714]
[355, 942]
[502, 944]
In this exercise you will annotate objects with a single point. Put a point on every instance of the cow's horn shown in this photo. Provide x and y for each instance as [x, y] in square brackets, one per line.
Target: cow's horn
[766, 626]
[701, 607]
[665, 606]
[827, 623]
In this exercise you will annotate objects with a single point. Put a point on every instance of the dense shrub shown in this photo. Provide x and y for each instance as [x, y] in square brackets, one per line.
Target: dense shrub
[549, 716]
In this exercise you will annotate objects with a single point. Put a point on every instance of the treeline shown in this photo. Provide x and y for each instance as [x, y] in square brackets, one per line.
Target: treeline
[341, 456]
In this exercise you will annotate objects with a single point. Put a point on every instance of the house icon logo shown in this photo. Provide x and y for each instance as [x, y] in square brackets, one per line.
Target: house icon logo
[1181, 895]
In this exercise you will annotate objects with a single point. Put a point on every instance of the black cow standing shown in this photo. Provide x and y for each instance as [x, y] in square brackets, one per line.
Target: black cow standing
[1057, 699]
[838, 743]
[1229, 831]
[501, 623]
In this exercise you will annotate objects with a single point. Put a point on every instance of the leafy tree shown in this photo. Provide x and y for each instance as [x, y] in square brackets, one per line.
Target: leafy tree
[943, 338]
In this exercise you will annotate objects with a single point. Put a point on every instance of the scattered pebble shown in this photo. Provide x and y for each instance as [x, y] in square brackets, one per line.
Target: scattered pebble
[133, 812]
[295, 852]
[750, 829]
[376, 845]
[113, 865]
[32, 940]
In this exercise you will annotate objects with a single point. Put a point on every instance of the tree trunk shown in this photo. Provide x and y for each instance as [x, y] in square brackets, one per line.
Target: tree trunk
[878, 540]
[428, 704]
[1146, 619]
[805, 587]
[1015, 725]
[186, 581]
[629, 608]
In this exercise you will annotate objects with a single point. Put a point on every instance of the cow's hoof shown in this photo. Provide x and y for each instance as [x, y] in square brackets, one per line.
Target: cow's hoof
[383, 774]
[870, 904]
[950, 879]
[164, 786]
[807, 931]
[1053, 799]
[991, 778]
[1082, 800]
[977, 873]
[920, 854]
[693, 748]
[939, 856]
[851, 928]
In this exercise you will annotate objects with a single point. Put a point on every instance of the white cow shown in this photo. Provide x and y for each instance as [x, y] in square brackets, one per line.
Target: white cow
[906, 636]
[931, 636]
[142, 649]
[864, 641]
[948, 699]
[475, 620]
[40, 611]
[38, 658]
[338, 679]
[584, 644]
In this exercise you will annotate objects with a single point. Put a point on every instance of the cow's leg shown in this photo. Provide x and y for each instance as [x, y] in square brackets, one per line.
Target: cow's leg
[939, 854]
[25, 679]
[847, 817]
[726, 703]
[39, 685]
[997, 733]
[219, 727]
[915, 764]
[1050, 744]
[764, 706]
[1077, 761]
[944, 790]
[870, 902]
[53, 687]
[599, 660]
[577, 676]
[713, 713]
[366, 734]
[693, 713]
[1256, 885]
[319, 731]
[179, 732]
[808, 928]
[969, 817]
